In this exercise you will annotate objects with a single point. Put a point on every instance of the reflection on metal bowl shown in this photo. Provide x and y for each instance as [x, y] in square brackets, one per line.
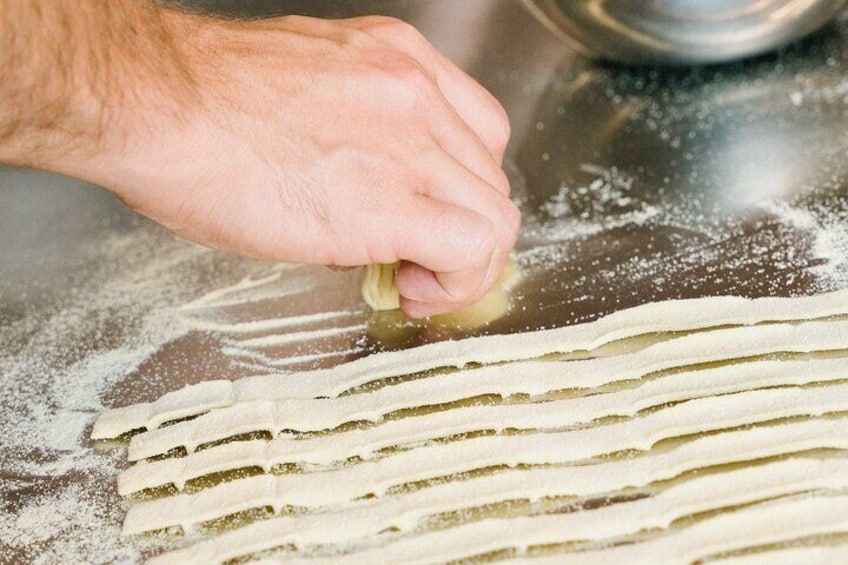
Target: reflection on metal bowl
[681, 32]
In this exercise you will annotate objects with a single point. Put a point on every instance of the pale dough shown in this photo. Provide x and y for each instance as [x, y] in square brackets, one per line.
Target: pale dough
[547, 415]
[726, 447]
[675, 404]
[618, 520]
[527, 377]
[437, 460]
[812, 555]
[656, 317]
[767, 523]
[786, 517]
[806, 555]
[378, 286]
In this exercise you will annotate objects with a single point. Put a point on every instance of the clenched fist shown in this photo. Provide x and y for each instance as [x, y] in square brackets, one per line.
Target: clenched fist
[337, 142]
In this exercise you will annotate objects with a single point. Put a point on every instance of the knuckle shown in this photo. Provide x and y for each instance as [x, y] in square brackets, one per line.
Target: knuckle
[409, 72]
[407, 83]
[393, 27]
[356, 39]
[503, 182]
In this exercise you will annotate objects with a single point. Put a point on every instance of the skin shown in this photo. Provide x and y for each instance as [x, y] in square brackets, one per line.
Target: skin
[336, 142]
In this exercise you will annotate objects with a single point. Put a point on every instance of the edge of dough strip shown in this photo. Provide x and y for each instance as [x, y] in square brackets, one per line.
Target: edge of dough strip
[763, 524]
[677, 387]
[437, 460]
[618, 520]
[814, 555]
[527, 377]
[727, 447]
[626, 518]
[649, 318]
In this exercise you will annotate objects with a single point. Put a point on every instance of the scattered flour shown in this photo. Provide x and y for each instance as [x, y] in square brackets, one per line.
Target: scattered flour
[59, 503]
[829, 235]
[139, 291]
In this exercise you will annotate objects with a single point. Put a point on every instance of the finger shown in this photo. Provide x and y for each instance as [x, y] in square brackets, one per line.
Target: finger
[440, 237]
[451, 267]
[446, 178]
[460, 141]
[477, 107]
[451, 290]
[417, 310]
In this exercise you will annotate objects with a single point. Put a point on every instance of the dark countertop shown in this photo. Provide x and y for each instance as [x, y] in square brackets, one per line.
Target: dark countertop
[636, 184]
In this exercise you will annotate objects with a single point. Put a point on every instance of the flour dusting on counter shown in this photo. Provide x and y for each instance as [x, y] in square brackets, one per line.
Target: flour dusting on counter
[59, 504]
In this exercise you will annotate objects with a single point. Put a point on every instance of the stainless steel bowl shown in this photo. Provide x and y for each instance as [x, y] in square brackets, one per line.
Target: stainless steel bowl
[681, 32]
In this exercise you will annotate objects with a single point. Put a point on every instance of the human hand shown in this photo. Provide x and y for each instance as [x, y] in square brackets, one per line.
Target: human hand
[337, 142]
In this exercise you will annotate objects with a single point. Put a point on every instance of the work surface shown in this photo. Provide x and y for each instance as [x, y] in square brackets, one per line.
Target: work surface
[635, 185]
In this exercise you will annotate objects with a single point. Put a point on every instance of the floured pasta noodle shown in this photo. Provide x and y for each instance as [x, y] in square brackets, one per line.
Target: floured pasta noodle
[437, 460]
[808, 555]
[699, 495]
[527, 377]
[545, 415]
[670, 316]
[722, 440]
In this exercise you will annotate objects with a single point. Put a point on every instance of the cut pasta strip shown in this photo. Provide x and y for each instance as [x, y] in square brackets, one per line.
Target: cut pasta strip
[649, 318]
[813, 555]
[547, 415]
[698, 495]
[766, 523]
[292, 337]
[404, 511]
[431, 461]
[524, 377]
[254, 326]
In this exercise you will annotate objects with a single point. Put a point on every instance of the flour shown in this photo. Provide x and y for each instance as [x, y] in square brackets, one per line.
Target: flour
[59, 505]
[575, 213]
[828, 230]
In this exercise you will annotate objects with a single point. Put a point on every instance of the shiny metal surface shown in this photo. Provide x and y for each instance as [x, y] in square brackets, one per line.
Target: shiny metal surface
[681, 32]
[635, 185]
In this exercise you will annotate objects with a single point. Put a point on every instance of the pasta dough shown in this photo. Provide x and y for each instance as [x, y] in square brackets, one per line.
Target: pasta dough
[527, 377]
[439, 460]
[815, 555]
[701, 494]
[751, 384]
[555, 414]
[763, 524]
[678, 315]
[723, 448]
[378, 286]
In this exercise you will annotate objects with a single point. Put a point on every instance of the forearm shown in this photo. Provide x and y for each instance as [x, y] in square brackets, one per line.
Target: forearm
[70, 68]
